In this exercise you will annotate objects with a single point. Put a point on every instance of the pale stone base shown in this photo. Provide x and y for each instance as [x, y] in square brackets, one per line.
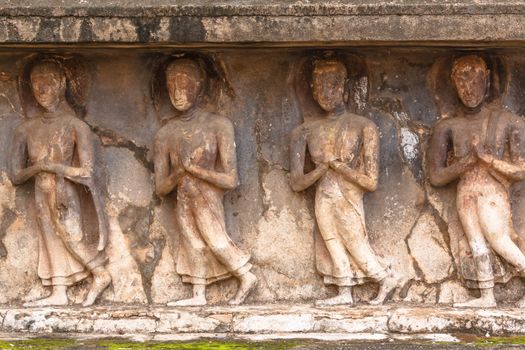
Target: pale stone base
[261, 321]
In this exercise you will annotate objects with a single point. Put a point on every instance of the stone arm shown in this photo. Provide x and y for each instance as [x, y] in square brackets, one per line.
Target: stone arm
[299, 180]
[439, 173]
[515, 169]
[20, 173]
[85, 148]
[164, 181]
[228, 178]
[367, 179]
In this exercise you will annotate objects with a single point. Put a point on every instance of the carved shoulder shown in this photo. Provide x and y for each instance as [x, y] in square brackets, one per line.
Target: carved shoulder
[511, 118]
[21, 129]
[220, 122]
[81, 126]
[365, 123]
[442, 125]
[299, 131]
[162, 134]
[369, 125]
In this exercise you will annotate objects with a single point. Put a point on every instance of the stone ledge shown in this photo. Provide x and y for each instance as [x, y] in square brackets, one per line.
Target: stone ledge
[268, 320]
[155, 8]
[290, 22]
[503, 29]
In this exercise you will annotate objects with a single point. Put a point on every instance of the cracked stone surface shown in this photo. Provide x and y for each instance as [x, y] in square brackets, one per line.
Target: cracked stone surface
[411, 225]
[153, 21]
[430, 250]
[271, 320]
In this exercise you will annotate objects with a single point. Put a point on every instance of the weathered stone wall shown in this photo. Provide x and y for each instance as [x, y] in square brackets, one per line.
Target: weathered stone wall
[407, 225]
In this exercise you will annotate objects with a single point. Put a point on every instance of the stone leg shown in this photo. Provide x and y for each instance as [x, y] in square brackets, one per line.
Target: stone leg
[195, 248]
[70, 230]
[352, 232]
[496, 223]
[53, 257]
[351, 225]
[69, 226]
[470, 221]
[210, 220]
[341, 267]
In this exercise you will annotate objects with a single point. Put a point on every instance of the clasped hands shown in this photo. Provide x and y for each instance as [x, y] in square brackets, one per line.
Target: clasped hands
[331, 164]
[187, 163]
[478, 152]
[45, 165]
[60, 169]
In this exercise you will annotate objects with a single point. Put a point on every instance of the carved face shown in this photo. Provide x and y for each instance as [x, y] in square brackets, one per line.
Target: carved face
[470, 77]
[184, 81]
[48, 84]
[328, 85]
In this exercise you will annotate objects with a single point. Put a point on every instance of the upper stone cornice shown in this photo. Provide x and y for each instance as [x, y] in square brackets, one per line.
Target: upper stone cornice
[209, 8]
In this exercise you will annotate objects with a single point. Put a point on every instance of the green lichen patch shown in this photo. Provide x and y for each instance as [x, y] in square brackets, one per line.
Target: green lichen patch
[110, 344]
[493, 341]
[201, 345]
[40, 344]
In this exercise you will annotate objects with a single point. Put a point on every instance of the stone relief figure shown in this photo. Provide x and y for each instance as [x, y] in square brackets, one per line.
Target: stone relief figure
[481, 147]
[194, 153]
[57, 150]
[344, 148]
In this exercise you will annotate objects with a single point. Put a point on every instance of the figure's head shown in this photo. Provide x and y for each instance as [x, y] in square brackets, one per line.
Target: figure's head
[185, 81]
[48, 82]
[470, 76]
[328, 83]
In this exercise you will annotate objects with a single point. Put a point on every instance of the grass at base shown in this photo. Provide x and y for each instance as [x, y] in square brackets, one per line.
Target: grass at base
[109, 344]
[469, 342]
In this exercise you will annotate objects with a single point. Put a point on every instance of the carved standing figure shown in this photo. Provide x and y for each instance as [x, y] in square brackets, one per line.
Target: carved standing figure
[57, 150]
[344, 148]
[482, 147]
[195, 153]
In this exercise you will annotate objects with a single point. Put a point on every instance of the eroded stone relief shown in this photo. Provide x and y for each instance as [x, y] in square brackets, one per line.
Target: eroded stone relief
[344, 149]
[57, 149]
[481, 146]
[295, 186]
[195, 154]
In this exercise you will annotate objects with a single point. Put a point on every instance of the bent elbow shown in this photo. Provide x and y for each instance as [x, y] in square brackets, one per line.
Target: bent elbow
[17, 178]
[297, 186]
[16, 181]
[296, 183]
[231, 183]
[519, 176]
[436, 181]
[372, 186]
[161, 191]
[228, 186]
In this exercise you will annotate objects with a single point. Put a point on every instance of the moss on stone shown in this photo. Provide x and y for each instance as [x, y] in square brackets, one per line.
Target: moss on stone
[200, 345]
[492, 341]
[110, 344]
[38, 343]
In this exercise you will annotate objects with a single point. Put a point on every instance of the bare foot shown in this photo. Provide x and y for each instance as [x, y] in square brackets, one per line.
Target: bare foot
[345, 298]
[247, 284]
[195, 301]
[478, 302]
[101, 281]
[52, 300]
[387, 285]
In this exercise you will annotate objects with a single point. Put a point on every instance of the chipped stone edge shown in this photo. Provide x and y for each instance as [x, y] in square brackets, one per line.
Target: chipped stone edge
[433, 29]
[81, 8]
[262, 321]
